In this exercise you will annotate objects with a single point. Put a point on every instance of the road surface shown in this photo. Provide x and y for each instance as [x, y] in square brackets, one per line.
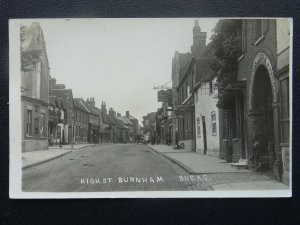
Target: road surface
[109, 167]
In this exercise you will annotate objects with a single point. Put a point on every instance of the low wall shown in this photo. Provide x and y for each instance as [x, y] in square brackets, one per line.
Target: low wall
[34, 145]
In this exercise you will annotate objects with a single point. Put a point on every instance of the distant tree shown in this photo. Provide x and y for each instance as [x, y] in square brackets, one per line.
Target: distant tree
[226, 48]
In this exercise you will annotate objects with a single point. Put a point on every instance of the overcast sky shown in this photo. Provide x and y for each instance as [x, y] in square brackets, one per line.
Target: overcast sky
[117, 60]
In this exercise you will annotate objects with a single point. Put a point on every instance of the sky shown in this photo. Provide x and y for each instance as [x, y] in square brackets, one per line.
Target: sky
[117, 60]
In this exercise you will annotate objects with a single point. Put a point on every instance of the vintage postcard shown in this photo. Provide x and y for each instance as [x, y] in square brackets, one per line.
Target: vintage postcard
[150, 107]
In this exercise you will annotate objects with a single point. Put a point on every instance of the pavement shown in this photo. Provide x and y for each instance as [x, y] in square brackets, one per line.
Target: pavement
[40, 156]
[222, 176]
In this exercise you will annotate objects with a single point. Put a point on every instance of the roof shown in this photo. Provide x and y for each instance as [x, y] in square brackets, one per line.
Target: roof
[125, 120]
[111, 120]
[120, 124]
[78, 103]
[203, 70]
[132, 118]
[63, 97]
[184, 61]
[90, 108]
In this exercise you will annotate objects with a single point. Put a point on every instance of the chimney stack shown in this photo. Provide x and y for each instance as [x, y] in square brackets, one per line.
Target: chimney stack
[118, 114]
[127, 114]
[103, 108]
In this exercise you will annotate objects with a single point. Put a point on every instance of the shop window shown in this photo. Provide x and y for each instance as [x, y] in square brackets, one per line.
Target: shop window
[285, 111]
[29, 122]
[36, 125]
[198, 127]
[213, 123]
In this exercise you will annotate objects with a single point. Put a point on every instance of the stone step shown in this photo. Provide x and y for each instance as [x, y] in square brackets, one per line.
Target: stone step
[239, 166]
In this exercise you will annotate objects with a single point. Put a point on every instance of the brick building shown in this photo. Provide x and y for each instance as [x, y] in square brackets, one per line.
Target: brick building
[185, 97]
[34, 88]
[94, 121]
[256, 123]
[81, 121]
[62, 98]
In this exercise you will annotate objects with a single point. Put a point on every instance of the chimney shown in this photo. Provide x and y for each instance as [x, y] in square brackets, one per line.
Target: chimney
[127, 114]
[52, 83]
[112, 112]
[118, 114]
[199, 40]
[103, 108]
[91, 101]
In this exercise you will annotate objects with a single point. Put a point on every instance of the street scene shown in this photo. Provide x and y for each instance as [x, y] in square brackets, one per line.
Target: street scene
[112, 105]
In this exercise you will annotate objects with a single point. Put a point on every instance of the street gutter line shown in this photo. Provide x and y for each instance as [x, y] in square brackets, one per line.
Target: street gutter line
[46, 160]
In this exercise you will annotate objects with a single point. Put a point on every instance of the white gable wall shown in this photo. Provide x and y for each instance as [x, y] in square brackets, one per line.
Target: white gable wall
[205, 105]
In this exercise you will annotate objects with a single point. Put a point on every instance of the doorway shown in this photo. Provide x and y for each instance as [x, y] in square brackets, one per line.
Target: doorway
[204, 135]
[263, 104]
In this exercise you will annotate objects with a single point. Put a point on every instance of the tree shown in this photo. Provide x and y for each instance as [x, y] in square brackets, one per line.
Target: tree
[226, 48]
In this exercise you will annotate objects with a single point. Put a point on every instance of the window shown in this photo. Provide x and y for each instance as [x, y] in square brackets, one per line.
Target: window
[285, 111]
[198, 127]
[188, 91]
[187, 122]
[213, 123]
[204, 88]
[29, 122]
[43, 125]
[196, 96]
[36, 125]
[210, 87]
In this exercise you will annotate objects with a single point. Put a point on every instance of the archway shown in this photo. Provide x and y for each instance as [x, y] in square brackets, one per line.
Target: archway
[262, 119]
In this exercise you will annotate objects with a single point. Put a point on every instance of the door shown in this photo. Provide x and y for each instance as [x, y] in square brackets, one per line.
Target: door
[204, 135]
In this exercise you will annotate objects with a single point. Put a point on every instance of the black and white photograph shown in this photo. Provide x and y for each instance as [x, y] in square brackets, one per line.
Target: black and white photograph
[150, 107]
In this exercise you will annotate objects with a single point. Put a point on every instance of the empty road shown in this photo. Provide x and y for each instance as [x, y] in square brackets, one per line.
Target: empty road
[108, 167]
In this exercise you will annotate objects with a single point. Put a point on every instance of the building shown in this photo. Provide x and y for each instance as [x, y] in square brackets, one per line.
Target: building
[283, 64]
[94, 121]
[114, 124]
[178, 62]
[207, 123]
[128, 125]
[34, 88]
[256, 120]
[185, 96]
[81, 121]
[62, 98]
[105, 128]
[135, 123]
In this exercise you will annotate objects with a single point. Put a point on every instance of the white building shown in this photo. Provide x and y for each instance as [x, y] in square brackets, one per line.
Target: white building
[206, 118]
